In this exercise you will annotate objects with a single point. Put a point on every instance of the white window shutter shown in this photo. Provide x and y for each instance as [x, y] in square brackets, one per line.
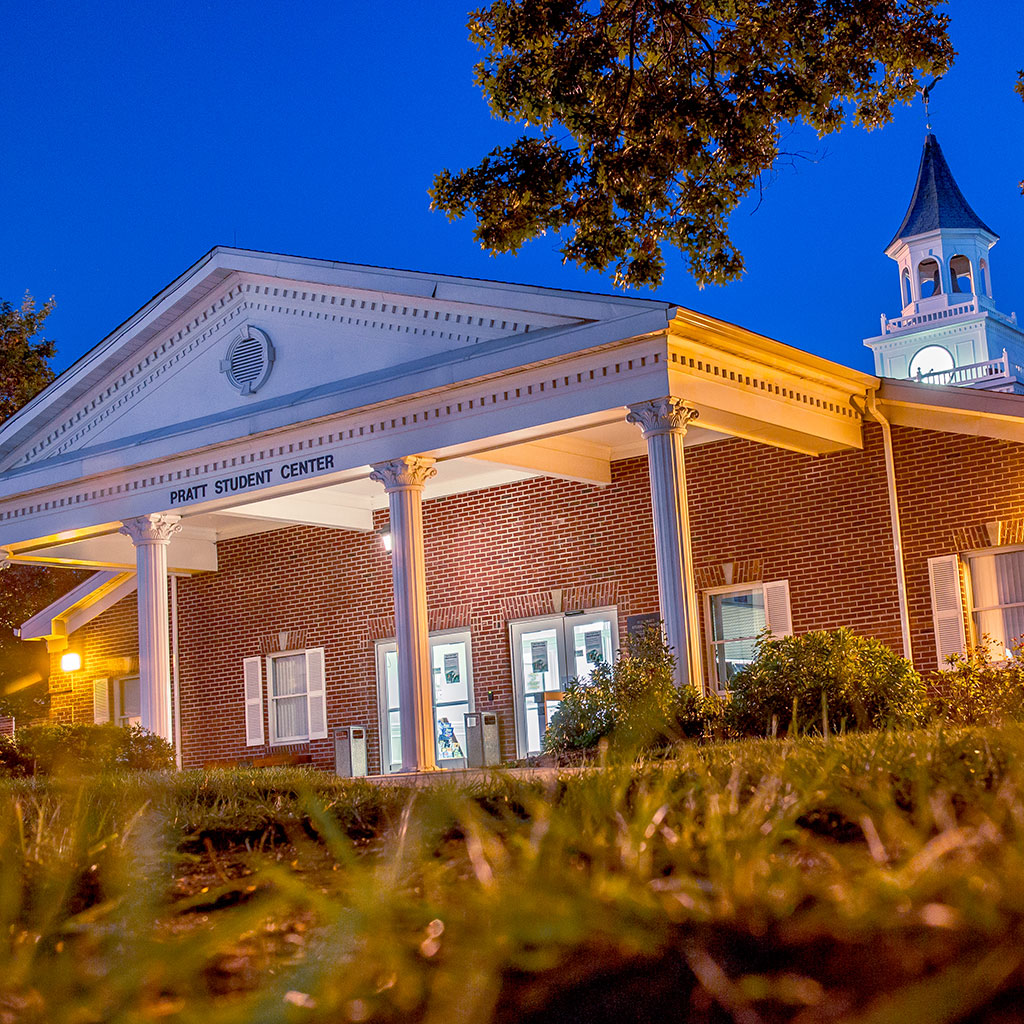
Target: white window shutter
[253, 702]
[100, 701]
[316, 693]
[776, 608]
[947, 607]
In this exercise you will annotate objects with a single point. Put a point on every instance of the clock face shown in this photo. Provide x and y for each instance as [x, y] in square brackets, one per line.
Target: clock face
[931, 359]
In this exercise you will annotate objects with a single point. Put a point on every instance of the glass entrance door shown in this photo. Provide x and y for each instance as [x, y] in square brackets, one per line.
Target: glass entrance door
[546, 654]
[452, 670]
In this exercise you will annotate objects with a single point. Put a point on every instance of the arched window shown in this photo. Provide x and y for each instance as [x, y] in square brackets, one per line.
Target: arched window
[929, 278]
[960, 274]
[932, 359]
[986, 284]
[907, 293]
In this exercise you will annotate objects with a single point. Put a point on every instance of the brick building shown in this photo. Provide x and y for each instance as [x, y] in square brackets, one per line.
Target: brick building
[315, 496]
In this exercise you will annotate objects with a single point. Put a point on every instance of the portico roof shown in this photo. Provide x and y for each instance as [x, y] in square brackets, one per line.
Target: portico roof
[361, 365]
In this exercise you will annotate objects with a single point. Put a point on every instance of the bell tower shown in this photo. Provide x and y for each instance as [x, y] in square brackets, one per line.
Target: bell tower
[949, 330]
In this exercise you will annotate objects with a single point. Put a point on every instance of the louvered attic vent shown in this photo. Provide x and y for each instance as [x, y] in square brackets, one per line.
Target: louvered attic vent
[248, 361]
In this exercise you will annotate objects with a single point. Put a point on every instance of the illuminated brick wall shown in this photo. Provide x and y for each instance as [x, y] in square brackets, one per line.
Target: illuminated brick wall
[957, 493]
[6, 726]
[758, 513]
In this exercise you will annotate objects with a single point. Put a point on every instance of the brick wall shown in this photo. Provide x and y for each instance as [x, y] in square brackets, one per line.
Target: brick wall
[6, 726]
[957, 493]
[758, 513]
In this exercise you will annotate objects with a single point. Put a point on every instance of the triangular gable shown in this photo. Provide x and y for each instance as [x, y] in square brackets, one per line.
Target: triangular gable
[314, 324]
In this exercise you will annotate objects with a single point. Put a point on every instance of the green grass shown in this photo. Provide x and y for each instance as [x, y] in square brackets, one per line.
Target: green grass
[874, 878]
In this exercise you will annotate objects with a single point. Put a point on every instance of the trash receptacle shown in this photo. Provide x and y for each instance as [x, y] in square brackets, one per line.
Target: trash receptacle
[482, 745]
[350, 751]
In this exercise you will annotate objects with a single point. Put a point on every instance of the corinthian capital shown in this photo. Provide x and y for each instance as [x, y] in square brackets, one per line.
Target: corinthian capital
[407, 473]
[152, 529]
[666, 415]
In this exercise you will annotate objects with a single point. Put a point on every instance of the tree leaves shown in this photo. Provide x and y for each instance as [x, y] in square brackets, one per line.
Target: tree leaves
[24, 370]
[647, 121]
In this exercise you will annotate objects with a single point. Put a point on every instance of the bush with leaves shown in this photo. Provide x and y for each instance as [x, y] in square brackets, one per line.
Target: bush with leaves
[831, 680]
[983, 686]
[634, 701]
[83, 748]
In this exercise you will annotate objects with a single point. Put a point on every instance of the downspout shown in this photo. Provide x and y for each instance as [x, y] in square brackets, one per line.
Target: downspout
[894, 515]
[175, 679]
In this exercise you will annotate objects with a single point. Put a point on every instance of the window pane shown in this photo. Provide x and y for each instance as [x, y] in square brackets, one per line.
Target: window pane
[997, 579]
[592, 643]
[737, 615]
[450, 730]
[1003, 625]
[731, 657]
[131, 704]
[450, 676]
[391, 675]
[289, 675]
[395, 730]
[292, 716]
[540, 661]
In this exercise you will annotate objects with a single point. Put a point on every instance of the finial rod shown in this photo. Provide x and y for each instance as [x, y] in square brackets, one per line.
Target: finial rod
[925, 96]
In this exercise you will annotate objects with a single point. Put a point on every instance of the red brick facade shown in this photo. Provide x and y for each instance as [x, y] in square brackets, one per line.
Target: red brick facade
[758, 513]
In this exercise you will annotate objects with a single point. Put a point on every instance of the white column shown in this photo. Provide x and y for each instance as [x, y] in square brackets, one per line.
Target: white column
[151, 535]
[403, 479]
[663, 422]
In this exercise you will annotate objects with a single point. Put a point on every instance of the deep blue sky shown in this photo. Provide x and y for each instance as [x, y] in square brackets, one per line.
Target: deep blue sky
[139, 136]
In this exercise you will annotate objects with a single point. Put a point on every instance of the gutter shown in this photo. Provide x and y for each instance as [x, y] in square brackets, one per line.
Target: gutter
[875, 412]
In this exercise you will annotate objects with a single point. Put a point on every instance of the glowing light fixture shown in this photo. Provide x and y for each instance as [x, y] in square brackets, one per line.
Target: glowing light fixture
[70, 662]
[384, 532]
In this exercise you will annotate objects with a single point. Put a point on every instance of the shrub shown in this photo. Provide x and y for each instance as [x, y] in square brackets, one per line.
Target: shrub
[634, 700]
[831, 679]
[45, 749]
[979, 689]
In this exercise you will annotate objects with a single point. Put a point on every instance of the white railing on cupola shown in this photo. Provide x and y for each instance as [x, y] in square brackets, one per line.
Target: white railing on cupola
[990, 371]
[901, 323]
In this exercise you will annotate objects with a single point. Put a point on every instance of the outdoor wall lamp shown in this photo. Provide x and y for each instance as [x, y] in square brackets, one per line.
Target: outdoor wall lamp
[71, 661]
[384, 532]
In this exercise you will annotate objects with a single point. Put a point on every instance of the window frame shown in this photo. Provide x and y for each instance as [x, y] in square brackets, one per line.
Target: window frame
[382, 647]
[119, 701]
[714, 685]
[275, 740]
[973, 635]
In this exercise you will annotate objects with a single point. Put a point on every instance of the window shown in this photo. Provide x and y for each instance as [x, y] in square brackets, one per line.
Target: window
[289, 698]
[296, 697]
[997, 595]
[127, 701]
[546, 653]
[452, 671]
[117, 701]
[735, 616]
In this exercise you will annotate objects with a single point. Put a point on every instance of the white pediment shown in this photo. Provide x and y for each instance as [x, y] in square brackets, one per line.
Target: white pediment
[325, 324]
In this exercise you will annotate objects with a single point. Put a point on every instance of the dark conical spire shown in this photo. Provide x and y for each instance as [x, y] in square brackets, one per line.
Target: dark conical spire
[937, 201]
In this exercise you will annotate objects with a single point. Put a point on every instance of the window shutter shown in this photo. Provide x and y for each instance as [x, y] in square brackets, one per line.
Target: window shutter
[776, 608]
[253, 702]
[947, 607]
[100, 701]
[316, 694]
